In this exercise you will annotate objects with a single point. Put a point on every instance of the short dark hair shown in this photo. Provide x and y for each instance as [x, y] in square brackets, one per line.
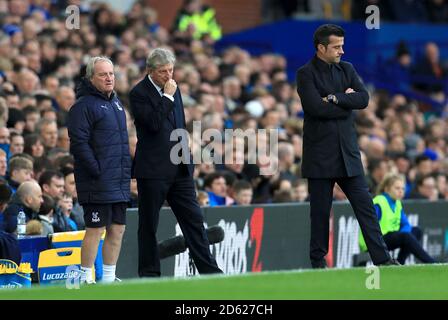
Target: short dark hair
[47, 205]
[47, 175]
[67, 170]
[420, 158]
[323, 33]
[240, 185]
[211, 177]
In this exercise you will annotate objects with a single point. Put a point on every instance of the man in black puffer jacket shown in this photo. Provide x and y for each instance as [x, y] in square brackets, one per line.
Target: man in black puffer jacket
[99, 144]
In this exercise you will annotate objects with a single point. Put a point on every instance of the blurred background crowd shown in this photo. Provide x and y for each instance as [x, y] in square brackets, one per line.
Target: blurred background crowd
[41, 61]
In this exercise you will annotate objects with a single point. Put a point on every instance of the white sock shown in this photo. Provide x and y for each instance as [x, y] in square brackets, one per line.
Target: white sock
[86, 275]
[108, 273]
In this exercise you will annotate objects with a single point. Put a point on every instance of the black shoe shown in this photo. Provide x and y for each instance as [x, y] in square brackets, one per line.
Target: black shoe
[390, 262]
[319, 264]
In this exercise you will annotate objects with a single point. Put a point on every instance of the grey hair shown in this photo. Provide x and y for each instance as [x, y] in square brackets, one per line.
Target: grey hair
[91, 64]
[159, 57]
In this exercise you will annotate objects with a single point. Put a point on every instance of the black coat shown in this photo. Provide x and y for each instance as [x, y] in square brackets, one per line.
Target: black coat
[99, 143]
[330, 148]
[154, 123]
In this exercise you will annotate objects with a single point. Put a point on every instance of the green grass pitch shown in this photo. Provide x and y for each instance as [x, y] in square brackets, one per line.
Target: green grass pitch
[395, 282]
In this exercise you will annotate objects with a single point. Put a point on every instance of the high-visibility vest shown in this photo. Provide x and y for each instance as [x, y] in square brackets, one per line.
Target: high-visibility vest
[204, 22]
[390, 220]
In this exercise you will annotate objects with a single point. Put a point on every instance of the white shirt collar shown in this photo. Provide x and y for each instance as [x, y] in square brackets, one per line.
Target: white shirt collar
[159, 90]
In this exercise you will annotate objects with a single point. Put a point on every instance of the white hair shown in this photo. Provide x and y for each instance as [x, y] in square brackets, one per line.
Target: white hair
[91, 65]
[160, 57]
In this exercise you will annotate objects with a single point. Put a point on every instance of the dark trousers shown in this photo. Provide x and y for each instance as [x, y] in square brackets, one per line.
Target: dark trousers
[408, 243]
[181, 196]
[321, 198]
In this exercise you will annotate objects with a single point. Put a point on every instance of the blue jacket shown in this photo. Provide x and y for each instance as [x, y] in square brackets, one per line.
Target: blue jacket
[99, 143]
[215, 200]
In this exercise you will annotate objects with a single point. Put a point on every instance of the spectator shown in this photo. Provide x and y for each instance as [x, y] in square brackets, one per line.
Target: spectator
[197, 20]
[3, 164]
[243, 193]
[20, 170]
[398, 69]
[5, 197]
[43, 100]
[203, 199]
[300, 191]
[377, 170]
[48, 132]
[40, 62]
[425, 188]
[281, 196]
[56, 155]
[216, 188]
[286, 161]
[17, 143]
[77, 212]
[66, 205]
[52, 184]
[63, 139]
[32, 117]
[34, 228]
[430, 71]
[442, 185]
[26, 81]
[27, 198]
[4, 111]
[395, 227]
[49, 115]
[46, 215]
[33, 146]
[4, 141]
[423, 165]
[16, 119]
[65, 98]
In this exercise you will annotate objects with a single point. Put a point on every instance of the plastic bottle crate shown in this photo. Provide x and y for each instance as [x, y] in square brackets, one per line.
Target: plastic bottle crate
[14, 276]
[58, 265]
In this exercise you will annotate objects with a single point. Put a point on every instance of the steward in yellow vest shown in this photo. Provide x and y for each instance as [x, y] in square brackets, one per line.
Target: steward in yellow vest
[396, 230]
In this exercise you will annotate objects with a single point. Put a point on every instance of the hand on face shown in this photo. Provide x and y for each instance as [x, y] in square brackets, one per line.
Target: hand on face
[163, 77]
[170, 87]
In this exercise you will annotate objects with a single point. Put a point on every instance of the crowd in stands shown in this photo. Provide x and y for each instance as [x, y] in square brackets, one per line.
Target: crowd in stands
[41, 62]
[404, 11]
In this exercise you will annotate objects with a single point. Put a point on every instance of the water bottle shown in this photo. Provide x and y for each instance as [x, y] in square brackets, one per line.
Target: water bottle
[21, 223]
